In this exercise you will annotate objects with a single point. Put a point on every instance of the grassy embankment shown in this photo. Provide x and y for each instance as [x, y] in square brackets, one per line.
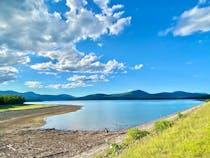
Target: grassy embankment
[4, 108]
[186, 137]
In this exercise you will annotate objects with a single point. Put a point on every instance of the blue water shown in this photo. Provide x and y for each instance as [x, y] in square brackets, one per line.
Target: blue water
[114, 115]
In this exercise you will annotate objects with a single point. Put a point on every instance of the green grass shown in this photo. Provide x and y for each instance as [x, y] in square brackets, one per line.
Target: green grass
[134, 134]
[189, 137]
[4, 108]
[161, 125]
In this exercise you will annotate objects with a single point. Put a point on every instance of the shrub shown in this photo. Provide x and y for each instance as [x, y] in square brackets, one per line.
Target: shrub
[114, 148]
[207, 100]
[135, 134]
[179, 115]
[162, 125]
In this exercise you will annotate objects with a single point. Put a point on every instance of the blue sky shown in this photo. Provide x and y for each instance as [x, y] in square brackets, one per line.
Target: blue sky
[104, 46]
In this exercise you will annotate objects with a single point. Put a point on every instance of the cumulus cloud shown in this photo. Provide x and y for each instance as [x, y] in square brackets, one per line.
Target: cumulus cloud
[33, 84]
[9, 57]
[77, 81]
[192, 21]
[7, 73]
[74, 61]
[69, 85]
[138, 67]
[36, 29]
[91, 78]
[27, 27]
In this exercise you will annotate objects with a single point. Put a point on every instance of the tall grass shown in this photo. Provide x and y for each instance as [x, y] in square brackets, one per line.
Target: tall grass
[189, 137]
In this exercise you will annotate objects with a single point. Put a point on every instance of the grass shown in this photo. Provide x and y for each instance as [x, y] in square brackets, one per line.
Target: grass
[161, 125]
[134, 134]
[4, 108]
[189, 137]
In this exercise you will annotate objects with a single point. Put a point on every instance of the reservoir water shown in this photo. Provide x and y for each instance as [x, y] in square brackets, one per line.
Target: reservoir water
[115, 114]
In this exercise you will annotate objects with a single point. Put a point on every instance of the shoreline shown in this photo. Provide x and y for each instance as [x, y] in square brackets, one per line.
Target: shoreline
[51, 142]
[31, 118]
[147, 126]
[21, 136]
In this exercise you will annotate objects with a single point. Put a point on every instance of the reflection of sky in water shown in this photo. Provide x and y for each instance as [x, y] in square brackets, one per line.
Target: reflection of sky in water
[114, 115]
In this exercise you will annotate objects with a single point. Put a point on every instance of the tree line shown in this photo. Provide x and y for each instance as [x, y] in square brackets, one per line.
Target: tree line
[11, 99]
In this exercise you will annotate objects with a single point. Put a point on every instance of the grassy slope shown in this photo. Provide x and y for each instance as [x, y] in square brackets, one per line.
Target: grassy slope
[188, 138]
[4, 108]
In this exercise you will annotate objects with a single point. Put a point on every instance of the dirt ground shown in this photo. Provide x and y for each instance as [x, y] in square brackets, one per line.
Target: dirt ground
[20, 136]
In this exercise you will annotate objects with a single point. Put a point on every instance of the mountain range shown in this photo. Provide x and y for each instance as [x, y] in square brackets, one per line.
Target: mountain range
[132, 95]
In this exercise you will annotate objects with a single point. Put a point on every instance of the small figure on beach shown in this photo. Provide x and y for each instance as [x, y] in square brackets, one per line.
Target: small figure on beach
[106, 130]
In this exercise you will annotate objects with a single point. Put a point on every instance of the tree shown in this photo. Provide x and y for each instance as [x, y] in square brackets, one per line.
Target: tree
[11, 99]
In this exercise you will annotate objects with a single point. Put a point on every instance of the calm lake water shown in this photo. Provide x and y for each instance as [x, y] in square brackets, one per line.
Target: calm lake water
[114, 115]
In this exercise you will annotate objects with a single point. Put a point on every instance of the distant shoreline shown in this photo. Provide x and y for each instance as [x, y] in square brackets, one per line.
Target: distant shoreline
[153, 99]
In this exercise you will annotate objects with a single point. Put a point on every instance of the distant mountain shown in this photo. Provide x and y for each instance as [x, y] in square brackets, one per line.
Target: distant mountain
[133, 95]
[179, 95]
[138, 94]
[141, 95]
[31, 96]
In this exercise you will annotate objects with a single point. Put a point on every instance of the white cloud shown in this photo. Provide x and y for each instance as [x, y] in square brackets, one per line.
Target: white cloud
[192, 21]
[10, 58]
[7, 73]
[77, 81]
[138, 67]
[69, 85]
[119, 25]
[56, 1]
[100, 44]
[74, 61]
[113, 65]
[91, 78]
[28, 27]
[42, 66]
[36, 29]
[47, 73]
[33, 84]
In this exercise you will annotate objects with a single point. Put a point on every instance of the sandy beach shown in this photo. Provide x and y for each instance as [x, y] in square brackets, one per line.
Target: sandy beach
[20, 135]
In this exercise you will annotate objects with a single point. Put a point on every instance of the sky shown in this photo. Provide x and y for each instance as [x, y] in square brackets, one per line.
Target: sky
[82, 47]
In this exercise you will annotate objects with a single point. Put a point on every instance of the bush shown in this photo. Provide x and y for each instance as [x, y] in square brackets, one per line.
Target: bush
[162, 125]
[207, 100]
[179, 115]
[114, 148]
[135, 134]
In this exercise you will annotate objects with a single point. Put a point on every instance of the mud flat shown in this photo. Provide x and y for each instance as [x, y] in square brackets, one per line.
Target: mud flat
[20, 136]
